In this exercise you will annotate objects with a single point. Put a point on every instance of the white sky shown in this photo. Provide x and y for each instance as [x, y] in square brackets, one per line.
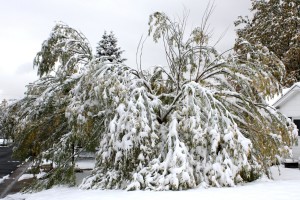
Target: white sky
[24, 25]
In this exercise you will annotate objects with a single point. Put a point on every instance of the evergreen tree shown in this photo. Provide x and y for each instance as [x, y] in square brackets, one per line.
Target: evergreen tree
[275, 24]
[107, 48]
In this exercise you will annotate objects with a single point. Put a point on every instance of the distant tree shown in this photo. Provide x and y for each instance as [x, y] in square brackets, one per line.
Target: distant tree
[275, 24]
[3, 110]
[107, 48]
[8, 119]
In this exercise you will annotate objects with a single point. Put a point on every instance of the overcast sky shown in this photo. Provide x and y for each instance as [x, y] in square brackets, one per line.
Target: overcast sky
[24, 25]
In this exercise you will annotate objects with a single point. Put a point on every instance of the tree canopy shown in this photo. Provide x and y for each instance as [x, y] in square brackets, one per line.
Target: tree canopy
[275, 25]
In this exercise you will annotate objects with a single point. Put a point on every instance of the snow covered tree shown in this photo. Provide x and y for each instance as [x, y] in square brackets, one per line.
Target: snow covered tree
[64, 53]
[107, 48]
[275, 24]
[43, 131]
[202, 120]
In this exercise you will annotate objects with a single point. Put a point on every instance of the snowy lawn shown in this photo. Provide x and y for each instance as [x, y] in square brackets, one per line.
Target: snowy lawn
[29, 176]
[85, 164]
[284, 186]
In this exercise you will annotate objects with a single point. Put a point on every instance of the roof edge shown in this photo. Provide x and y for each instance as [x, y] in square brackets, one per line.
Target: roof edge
[286, 95]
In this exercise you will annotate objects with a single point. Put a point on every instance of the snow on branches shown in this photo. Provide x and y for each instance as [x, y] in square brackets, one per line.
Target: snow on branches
[65, 47]
[107, 48]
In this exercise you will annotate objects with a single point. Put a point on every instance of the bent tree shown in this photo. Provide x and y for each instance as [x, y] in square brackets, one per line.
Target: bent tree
[42, 131]
[202, 120]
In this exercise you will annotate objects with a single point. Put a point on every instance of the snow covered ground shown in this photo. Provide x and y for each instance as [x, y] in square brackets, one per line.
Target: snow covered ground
[285, 185]
[29, 176]
[3, 178]
[4, 142]
[85, 164]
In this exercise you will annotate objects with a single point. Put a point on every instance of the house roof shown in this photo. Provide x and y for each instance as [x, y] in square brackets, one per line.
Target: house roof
[287, 95]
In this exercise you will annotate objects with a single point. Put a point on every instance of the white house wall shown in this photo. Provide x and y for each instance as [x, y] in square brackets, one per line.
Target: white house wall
[291, 107]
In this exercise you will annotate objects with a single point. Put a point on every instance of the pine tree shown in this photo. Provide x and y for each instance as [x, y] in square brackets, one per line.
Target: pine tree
[275, 24]
[107, 48]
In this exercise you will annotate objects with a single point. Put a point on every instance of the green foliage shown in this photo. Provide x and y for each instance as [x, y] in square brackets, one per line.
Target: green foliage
[65, 47]
[42, 131]
[275, 25]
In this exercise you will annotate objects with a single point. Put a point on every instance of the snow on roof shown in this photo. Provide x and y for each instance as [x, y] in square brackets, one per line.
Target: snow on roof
[286, 93]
